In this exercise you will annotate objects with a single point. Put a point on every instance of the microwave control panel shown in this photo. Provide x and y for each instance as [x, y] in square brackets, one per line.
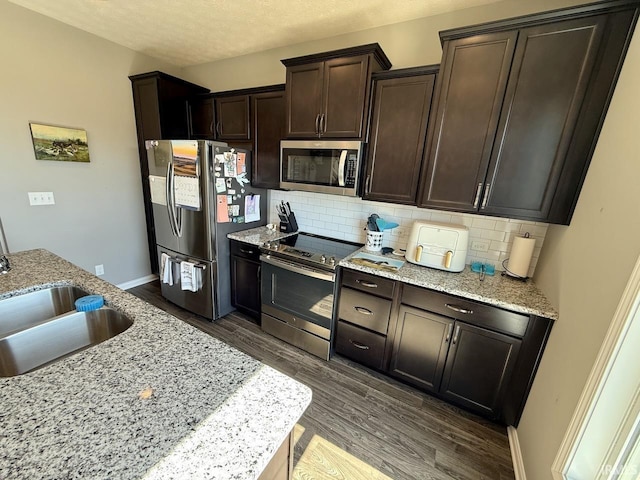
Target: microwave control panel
[350, 171]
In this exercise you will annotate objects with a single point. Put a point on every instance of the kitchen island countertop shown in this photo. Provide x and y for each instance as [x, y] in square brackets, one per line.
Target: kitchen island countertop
[497, 290]
[214, 412]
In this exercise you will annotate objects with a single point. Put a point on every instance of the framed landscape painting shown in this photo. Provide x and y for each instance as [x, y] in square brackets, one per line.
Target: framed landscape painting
[59, 143]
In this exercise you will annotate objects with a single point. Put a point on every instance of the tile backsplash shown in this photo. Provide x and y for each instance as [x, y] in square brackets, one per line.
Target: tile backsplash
[345, 218]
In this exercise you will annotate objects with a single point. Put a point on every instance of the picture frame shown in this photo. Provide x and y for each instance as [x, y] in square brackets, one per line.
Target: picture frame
[65, 144]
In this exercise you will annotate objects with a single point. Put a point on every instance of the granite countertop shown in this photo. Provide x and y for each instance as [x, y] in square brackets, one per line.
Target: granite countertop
[496, 290]
[259, 235]
[214, 413]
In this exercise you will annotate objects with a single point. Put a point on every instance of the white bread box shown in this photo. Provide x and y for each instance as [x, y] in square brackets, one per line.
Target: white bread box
[438, 245]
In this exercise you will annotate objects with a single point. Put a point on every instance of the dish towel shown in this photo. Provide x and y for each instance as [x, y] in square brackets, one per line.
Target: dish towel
[166, 269]
[190, 277]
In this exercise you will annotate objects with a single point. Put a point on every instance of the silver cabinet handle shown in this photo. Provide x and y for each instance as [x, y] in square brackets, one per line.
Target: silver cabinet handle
[458, 309]
[359, 345]
[363, 311]
[323, 123]
[364, 283]
[318, 124]
[449, 330]
[219, 128]
[246, 251]
[456, 335]
[367, 185]
[486, 195]
[475, 202]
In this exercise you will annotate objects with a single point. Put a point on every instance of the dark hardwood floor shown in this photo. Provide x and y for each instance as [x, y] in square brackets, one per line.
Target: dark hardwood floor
[401, 432]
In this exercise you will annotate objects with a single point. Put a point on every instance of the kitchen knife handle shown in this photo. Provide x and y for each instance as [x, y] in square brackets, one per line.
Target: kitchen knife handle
[359, 345]
[458, 309]
[478, 190]
[363, 311]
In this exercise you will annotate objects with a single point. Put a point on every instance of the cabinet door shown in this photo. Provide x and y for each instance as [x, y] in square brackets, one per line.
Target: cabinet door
[478, 368]
[304, 99]
[202, 118]
[549, 77]
[345, 88]
[398, 129]
[245, 285]
[471, 88]
[420, 347]
[268, 110]
[232, 115]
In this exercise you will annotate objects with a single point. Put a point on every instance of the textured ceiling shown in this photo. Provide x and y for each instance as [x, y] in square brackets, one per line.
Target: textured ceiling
[191, 32]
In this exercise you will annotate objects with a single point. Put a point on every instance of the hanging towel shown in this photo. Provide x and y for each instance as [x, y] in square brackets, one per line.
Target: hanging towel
[188, 276]
[166, 269]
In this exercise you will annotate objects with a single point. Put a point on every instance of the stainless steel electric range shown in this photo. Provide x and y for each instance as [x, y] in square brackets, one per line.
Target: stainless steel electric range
[298, 285]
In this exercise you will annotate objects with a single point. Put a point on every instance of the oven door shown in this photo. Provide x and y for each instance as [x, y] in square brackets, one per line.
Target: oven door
[298, 295]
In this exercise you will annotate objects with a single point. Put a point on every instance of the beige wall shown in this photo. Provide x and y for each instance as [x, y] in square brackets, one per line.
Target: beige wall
[407, 44]
[55, 74]
[583, 269]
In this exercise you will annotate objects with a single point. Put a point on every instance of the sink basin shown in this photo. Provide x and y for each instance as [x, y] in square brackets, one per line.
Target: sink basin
[50, 340]
[22, 311]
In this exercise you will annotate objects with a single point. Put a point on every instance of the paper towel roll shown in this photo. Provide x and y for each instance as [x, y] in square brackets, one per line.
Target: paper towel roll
[520, 257]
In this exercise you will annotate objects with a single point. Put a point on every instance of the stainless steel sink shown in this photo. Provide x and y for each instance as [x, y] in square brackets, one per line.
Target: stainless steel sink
[53, 339]
[22, 311]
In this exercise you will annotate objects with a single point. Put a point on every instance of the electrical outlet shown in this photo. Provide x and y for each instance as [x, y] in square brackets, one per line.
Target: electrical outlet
[480, 245]
[399, 232]
[99, 269]
[41, 198]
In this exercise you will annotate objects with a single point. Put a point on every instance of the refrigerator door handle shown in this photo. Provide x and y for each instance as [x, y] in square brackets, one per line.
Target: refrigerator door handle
[169, 191]
[176, 212]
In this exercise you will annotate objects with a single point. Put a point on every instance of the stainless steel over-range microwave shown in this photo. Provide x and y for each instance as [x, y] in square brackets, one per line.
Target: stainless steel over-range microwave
[322, 166]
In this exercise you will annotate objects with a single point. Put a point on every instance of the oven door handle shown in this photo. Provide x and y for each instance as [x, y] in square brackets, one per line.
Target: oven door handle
[309, 272]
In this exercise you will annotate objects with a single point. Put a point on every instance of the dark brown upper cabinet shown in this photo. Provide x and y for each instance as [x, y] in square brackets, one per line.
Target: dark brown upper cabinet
[161, 111]
[232, 117]
[252, 119]
[327, 93]
[518, 108]
[397, 131]
[202, 117]
[268, 127]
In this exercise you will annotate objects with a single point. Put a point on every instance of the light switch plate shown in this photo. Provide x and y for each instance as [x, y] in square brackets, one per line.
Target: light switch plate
[41, 198]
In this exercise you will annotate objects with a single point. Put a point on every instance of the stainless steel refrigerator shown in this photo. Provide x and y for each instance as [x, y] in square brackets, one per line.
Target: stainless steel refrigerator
[200, 193]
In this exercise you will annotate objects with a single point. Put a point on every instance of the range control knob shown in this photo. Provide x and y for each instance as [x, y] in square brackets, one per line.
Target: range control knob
[323, 258]
[332, 261]
[267, 245]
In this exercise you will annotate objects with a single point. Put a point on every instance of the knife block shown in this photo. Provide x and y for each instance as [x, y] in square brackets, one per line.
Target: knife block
[288, 223]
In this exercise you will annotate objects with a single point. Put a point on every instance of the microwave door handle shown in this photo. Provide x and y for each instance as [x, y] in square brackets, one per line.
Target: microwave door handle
[341, 167]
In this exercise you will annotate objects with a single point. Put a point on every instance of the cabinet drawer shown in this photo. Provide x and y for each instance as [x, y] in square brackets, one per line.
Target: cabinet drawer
[245, 250]
[466, 310]
[365, 310]
[368, 283]
[361, 345]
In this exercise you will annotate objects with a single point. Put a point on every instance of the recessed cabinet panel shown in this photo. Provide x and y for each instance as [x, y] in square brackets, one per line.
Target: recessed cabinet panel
[232, 118]
[268, 110]
[202, 118]
[548, 81]
[478, 368]
[345, 87]
[304, 102]
[472, 84]
[420, 347]
[396, 145]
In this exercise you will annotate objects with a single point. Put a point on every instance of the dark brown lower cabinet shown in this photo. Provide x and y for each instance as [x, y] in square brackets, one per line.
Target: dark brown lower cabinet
[474, 355]
[245, 278]
[420, 347]
[478, 368]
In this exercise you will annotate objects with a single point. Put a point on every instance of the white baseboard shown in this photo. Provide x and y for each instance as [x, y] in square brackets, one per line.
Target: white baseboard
[137, 282]
[516, 454]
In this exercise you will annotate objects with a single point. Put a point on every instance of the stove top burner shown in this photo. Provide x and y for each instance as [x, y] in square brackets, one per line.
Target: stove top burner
[312, 249]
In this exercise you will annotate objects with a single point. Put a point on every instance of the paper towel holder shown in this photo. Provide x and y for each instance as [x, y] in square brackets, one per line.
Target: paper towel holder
[507, 273]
